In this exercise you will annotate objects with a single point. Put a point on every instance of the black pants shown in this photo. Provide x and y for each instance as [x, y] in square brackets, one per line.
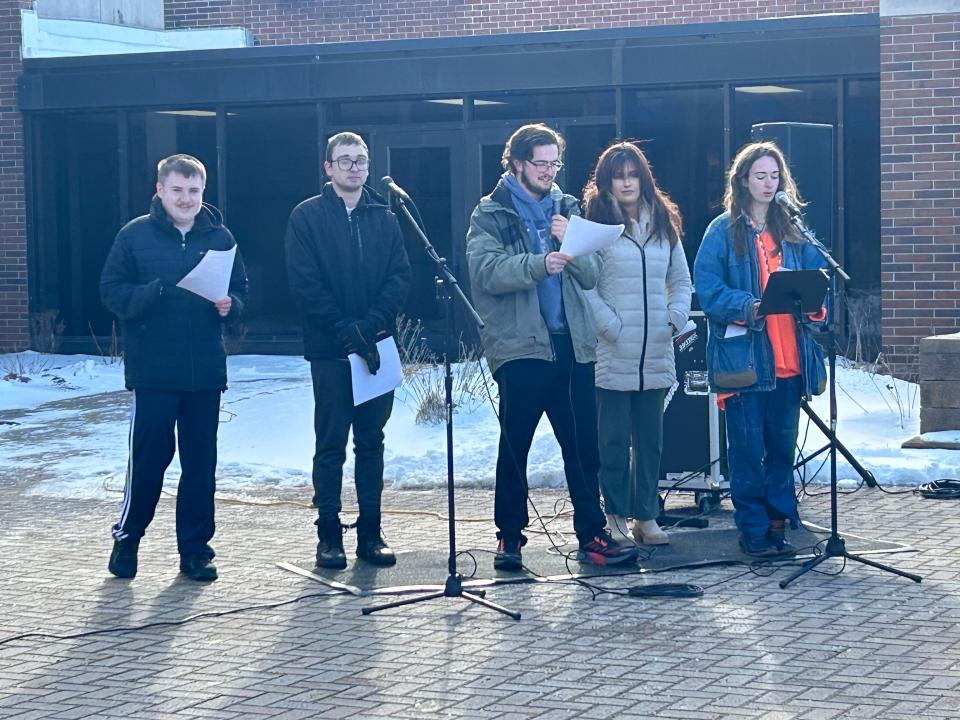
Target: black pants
[334, 414]
[564, 390]
[153, 418]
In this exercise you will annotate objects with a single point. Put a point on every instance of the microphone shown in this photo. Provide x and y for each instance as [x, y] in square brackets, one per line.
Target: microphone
[784, 201]
[390, 186]
[556, 195]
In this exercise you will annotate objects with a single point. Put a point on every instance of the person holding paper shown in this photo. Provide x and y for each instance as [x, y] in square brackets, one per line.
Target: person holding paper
[760, 367]
[641, 301]
[350, 276]
[174, 360]
[539, 340]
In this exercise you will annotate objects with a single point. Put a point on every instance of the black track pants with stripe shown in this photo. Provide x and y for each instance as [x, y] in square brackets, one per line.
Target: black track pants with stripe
[162, 421]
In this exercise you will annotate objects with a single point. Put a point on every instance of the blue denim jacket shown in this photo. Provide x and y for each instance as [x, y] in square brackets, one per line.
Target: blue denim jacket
[726, 286]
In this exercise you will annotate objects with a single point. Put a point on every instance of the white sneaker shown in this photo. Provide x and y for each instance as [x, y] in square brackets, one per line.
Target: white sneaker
[617, 527]
[647, 532]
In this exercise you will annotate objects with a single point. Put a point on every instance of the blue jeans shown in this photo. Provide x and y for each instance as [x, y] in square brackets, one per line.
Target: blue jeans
[761, 443]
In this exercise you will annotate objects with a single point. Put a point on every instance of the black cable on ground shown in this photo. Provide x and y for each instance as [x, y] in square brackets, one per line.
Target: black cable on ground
[162, 623]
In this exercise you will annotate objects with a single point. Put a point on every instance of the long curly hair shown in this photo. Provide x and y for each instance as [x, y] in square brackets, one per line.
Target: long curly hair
[737, 199]
[601, 206]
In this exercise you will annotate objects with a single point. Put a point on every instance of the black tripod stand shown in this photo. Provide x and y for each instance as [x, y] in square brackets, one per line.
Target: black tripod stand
[447, 286]
[836, 546]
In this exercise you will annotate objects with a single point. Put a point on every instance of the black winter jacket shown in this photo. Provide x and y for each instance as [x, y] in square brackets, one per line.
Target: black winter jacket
[345, 268]
[172, 338]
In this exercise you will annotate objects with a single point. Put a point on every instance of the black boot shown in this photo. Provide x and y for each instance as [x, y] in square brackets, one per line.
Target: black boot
[370, 543]
[123, 559]
[330, 545]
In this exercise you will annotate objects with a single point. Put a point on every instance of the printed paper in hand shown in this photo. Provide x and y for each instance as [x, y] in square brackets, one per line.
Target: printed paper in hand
[584, 236]
[210, 279]
[388, 377]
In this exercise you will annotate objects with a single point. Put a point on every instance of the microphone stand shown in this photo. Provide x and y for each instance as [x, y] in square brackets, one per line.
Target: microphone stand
[836, 546]
[447, 287]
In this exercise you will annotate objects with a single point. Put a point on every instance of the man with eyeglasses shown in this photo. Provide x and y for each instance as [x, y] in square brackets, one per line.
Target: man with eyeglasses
[349, 275]
[539, 340]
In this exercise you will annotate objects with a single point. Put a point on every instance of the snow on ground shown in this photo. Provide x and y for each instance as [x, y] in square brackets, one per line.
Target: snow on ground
[266, 432]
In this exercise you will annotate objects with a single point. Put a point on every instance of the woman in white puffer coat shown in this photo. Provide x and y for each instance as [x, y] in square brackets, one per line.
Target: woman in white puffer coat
[641, 301]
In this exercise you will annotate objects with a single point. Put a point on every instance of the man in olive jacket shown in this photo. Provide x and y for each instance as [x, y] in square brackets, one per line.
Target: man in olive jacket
[174, 361]
[350, 276]
[539, 340]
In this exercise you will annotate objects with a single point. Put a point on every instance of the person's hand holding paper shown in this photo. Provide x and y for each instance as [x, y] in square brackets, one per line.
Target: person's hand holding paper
[583, 237]
[210, 279]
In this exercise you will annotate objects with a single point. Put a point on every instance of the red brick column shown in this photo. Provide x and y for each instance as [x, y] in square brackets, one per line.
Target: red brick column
[920, 182]
[14, 334]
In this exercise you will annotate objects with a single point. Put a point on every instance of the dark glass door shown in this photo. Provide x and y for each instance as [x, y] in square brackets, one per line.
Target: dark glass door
[428, 165]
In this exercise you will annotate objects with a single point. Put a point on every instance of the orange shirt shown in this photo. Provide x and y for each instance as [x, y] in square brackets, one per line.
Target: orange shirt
[781, 329]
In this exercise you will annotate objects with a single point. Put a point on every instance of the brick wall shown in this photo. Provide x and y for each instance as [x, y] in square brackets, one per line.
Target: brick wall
[920, 182]
[284, 22]
[13, 236]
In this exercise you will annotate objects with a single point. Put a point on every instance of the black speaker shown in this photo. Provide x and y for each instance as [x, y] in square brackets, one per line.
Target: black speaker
[808, 148]
[686, 428]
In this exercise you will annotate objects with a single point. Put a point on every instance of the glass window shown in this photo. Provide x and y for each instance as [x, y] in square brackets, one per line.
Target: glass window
[531, 107]
[156, 135]
[584, 145]
[426, 176]
[680, 130]
[77, 170]
[272, 165]
[781, 102]
[397, 112]
[861, 257]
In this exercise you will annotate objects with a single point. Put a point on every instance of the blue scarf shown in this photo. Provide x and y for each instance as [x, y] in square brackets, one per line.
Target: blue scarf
[536, 218]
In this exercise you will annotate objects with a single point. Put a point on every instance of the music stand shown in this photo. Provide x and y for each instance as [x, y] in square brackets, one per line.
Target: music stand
[790, 291]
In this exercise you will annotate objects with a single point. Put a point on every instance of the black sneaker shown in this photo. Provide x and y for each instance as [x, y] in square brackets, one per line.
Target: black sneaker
[508, 554]
[198, 567]
[123, 559]
[604, 550]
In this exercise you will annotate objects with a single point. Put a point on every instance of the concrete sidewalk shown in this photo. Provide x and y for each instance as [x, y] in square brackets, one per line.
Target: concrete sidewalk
[861, 644]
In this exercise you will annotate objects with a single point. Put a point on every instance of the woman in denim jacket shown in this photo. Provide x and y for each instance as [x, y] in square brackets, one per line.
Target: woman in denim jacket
[760, 367]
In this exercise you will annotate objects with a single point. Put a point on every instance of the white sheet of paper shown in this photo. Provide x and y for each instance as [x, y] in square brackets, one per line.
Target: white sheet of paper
[210, 279]
[734, 330]
[388, 377]
[585, 236]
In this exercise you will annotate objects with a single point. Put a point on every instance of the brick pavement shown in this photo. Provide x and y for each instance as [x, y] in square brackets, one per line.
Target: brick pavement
[858, 645]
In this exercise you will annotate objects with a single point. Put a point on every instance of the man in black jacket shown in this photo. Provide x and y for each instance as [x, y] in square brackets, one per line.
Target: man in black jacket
[350, 275]
[174, 361]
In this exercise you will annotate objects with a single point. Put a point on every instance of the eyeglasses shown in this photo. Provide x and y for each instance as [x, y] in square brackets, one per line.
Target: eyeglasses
[544, 165]
[345, 163]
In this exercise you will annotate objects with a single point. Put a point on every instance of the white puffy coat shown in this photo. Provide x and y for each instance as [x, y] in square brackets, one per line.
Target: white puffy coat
[641, 300]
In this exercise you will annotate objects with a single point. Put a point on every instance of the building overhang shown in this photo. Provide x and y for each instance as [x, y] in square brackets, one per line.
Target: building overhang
[788, 48]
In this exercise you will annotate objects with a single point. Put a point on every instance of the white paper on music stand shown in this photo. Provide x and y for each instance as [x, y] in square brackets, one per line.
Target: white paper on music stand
[210, 279]
[388, 377]
[585, 236]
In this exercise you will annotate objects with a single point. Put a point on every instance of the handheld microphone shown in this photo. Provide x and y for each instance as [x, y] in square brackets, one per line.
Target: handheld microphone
[390, 186]
[784, 201]
[556, 195]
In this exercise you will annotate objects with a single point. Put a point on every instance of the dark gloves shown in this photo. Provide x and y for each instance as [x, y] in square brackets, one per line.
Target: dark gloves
[358, 337]
[371, 356]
